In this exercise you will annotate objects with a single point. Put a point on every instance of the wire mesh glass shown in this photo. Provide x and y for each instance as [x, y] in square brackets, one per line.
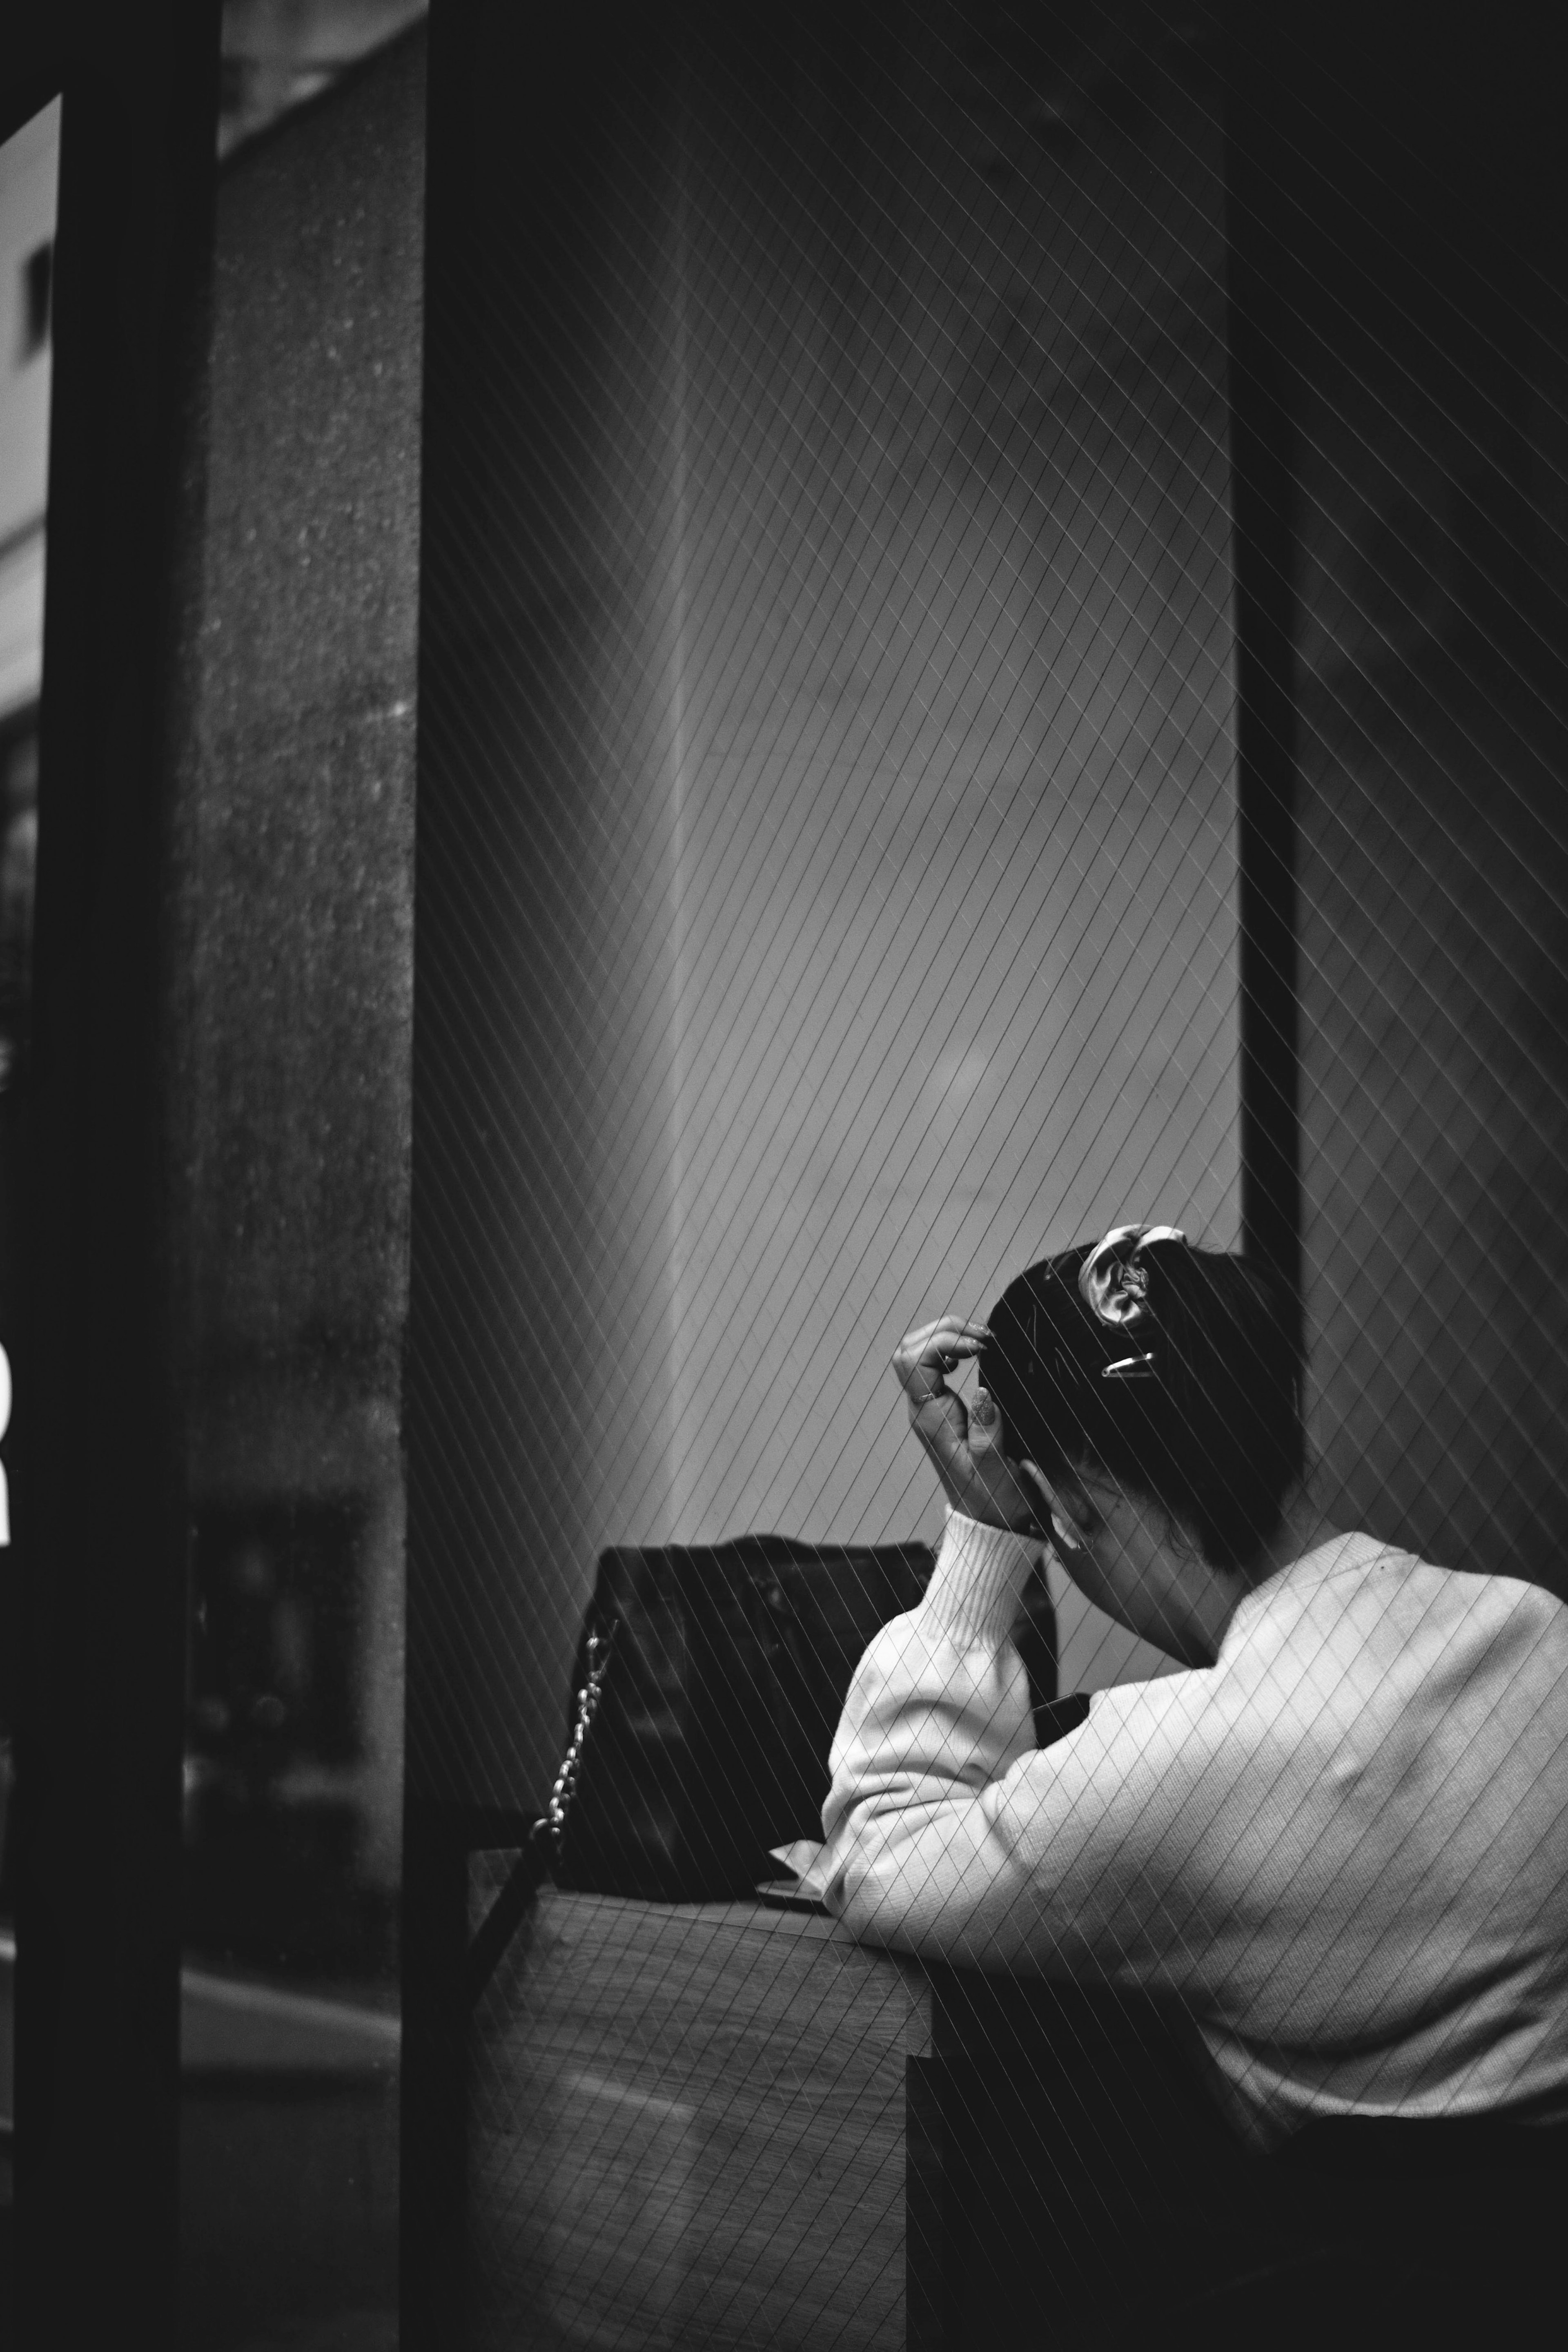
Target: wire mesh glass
[829, 904]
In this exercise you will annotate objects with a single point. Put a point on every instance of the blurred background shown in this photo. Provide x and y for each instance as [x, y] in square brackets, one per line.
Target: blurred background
[28, 178]
[295, 861]
[293, 856]
[279, 53]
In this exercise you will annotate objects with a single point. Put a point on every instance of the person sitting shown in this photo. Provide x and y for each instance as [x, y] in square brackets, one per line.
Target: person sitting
[1338, 1839]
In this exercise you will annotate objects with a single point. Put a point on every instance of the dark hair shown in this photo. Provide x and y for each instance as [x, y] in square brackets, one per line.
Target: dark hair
[1213, 1434]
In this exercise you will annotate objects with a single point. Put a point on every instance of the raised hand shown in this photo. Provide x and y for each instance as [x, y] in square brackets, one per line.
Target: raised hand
[967, 1448]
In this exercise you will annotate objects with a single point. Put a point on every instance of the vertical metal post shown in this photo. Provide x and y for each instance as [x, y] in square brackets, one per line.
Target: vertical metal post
[433, 2288]
[95, 1446]
[1263, 545]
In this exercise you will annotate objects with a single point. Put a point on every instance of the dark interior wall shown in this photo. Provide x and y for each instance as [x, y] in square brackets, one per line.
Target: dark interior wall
[541, 950]
[1434, 877]
[295, 842]
[826, 829]
[953, 778]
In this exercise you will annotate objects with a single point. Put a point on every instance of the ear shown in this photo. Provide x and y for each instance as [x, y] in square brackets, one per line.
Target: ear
[1072, 1513]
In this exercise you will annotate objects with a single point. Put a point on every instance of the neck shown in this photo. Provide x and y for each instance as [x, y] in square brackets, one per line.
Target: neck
[1302, 1528]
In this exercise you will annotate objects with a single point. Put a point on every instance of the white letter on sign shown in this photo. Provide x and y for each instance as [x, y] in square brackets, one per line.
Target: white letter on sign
[4, 1426]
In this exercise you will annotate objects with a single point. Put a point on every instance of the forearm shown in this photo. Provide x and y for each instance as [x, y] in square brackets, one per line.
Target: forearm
[938, 1711]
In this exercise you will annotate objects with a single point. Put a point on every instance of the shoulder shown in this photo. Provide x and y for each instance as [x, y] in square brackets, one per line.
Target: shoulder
[1369, 1623]
[1359, 1630]
[1358, 1576]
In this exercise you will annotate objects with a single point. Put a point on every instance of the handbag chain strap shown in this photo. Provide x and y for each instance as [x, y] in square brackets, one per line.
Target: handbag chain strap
[553, 1820]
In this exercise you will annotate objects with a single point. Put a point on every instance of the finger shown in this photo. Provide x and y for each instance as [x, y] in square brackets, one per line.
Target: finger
[940, 1416]
[942, 1426]
[946, 1332]
[920, 1377]
[985, 1433]
[923, 1356]
[976, 1476]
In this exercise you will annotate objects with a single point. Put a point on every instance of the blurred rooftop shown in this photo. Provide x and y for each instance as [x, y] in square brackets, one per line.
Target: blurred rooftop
[279, 53]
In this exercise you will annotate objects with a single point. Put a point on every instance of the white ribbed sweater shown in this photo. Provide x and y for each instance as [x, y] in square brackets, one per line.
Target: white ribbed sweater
[1345, 1846]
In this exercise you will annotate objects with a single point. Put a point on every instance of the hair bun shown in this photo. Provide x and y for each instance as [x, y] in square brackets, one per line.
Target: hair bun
[1114, 1280]
[1171, 1369]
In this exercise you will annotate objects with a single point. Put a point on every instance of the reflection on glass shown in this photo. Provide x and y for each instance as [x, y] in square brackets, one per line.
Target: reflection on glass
[276, 1805]
[29, 182]
[18, 864]
[293, 845]
[276, 54]
[289, 2032]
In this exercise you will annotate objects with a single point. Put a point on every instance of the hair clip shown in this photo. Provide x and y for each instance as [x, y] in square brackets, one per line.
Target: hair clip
[1112, 1279]
[1130, 1368]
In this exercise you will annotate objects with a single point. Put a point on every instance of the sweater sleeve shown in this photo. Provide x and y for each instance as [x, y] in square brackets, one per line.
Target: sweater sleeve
[937, 1712]
[950, 1835]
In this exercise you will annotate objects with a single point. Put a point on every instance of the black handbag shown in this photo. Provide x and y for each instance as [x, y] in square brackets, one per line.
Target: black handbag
[709, 1684]
[722, 1672]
